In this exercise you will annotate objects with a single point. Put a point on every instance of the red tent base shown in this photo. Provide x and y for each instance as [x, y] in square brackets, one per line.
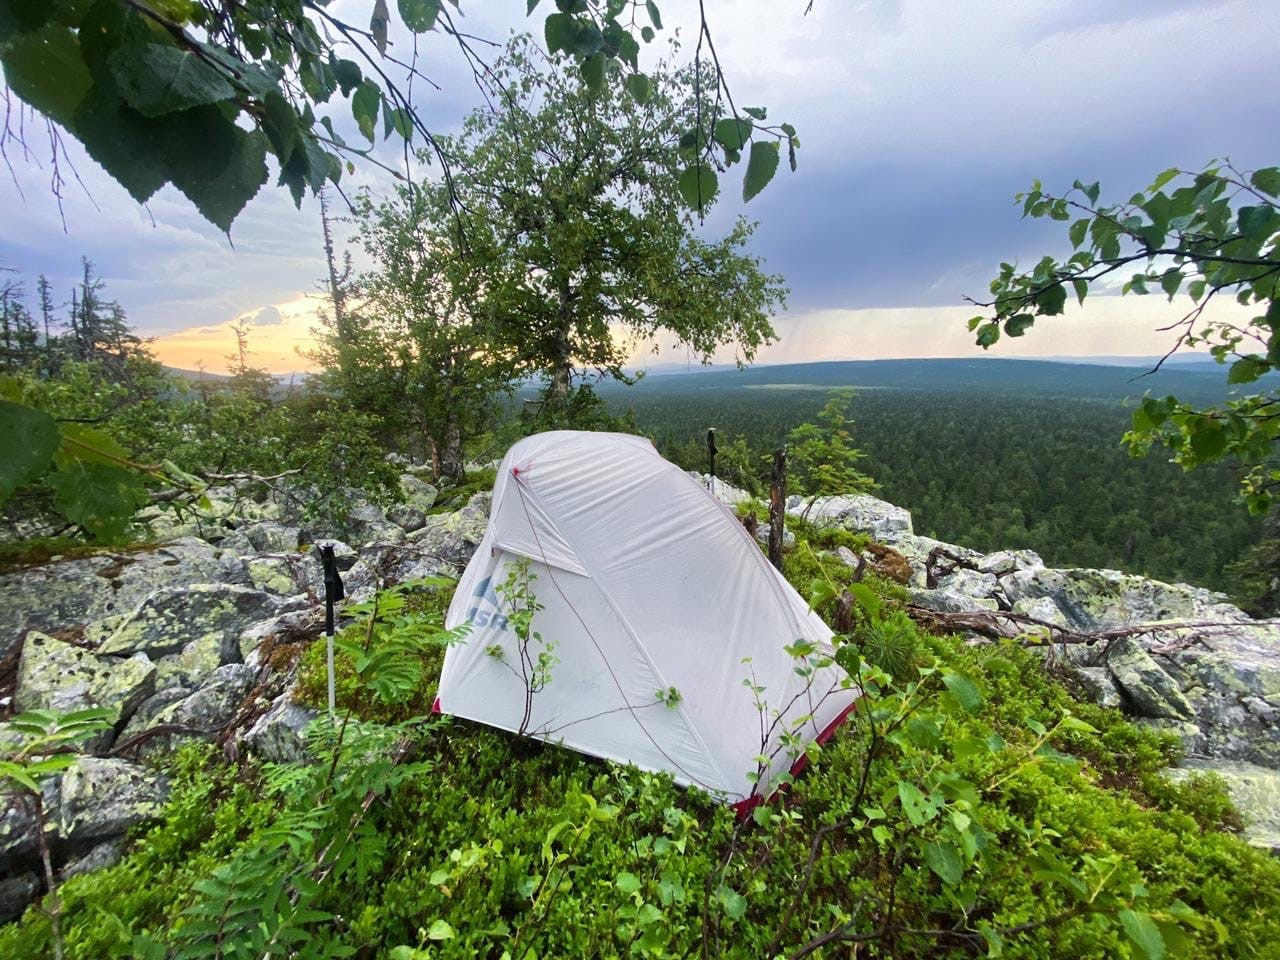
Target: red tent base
[743, 808]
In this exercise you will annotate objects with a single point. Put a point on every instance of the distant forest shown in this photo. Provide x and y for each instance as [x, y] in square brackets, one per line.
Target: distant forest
[986, 453]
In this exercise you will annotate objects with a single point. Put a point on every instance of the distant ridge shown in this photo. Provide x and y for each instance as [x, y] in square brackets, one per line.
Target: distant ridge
[1126, 377]
[195, 376]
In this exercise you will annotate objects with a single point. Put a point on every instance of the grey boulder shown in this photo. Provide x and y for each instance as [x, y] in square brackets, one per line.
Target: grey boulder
[102, 798]
[171, 618]
[454, 536]
[64, 595]
[278, 734]
[55, 675]
[1147, 689]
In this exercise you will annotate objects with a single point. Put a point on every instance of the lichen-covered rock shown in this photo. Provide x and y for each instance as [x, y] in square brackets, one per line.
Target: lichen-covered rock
[270, 536]
[401, 562]
[55, 675]
[1097, 686]
[949, 601]
[196, 661]
[17, 826]
[289, 627]
[1146, 688]
[1254, 790]
[147, 710]
[726, 493]
[358, 577]
[405, 517]
[164, 522]
[101, 798]
[273, 574]
[205, 712]
[917, 550]
[1095, 600]
[171, 618]
[1235, 672]
[970, 583]
[278, 734]
[788, 538]
[419, 497]
[102, 855]
[99, 858]
[1004, 562]
[1043, 609]
[454, 536]
[368, 524]
[860, 512]
[67, 594]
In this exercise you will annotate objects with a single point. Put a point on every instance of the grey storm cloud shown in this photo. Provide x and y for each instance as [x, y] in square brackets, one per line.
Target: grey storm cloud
[266, 317]
[919, 121]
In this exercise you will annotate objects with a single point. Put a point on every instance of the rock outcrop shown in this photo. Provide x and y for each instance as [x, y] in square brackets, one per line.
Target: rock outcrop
[183, 639]
[191, 638]
[1171, 656]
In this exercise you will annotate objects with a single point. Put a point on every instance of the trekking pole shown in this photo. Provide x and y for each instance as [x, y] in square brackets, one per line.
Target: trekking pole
[333, 592]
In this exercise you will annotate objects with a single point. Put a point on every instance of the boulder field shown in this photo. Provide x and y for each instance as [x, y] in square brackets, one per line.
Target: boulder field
[177, 639]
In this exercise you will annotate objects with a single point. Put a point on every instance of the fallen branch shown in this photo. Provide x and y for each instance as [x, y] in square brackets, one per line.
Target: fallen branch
[935, 569]
[1033, 632]
[232, 477]
[158, 730]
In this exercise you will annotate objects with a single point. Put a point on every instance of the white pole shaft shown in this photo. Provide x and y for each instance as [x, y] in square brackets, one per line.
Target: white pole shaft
[329, 655]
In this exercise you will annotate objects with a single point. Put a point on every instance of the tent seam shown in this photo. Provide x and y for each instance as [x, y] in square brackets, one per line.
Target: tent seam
[523, 489]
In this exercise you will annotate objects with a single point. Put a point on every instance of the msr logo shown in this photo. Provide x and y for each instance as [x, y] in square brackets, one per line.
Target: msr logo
[486, 609]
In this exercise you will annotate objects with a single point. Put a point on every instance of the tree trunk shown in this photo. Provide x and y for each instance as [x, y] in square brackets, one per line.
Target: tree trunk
[450, 451]
[562, 355]
[336, 291]
[54, 909]
[777, 507]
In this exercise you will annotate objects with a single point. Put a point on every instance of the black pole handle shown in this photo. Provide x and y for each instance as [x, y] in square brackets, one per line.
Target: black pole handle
[333, 588]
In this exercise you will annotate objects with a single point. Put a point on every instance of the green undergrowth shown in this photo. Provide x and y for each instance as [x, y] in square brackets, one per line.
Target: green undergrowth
[997, 815]
[402, 611]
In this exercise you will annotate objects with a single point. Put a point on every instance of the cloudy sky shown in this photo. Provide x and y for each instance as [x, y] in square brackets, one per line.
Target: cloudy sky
[920, 119]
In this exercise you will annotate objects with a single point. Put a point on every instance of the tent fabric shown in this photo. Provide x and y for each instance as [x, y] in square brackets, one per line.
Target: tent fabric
[647, 583]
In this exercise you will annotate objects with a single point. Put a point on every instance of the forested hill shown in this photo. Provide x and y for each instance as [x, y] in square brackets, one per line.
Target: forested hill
[983, 374]
[986, 452]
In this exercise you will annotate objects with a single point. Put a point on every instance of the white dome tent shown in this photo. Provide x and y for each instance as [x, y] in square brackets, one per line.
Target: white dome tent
[659, 611]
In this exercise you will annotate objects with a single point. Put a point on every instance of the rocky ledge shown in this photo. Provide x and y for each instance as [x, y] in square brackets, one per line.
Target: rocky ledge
[1171, 656]
[195, 635]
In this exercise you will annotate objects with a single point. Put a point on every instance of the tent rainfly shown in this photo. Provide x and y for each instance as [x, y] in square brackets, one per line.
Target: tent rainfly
[664, 624]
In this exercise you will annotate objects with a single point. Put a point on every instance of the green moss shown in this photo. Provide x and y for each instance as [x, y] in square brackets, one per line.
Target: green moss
[453, 498]
[312, 689]
[23, 554]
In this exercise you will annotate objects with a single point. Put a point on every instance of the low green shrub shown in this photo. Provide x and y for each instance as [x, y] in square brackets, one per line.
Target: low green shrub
[969, 806]
[213, 808]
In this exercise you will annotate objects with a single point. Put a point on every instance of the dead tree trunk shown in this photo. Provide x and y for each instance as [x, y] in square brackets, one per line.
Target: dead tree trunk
[777, 507]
